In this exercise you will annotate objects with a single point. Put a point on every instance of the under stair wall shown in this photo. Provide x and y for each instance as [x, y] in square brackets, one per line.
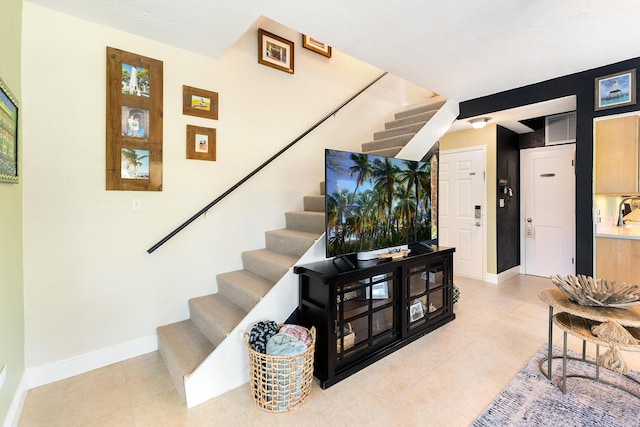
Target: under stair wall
[431, 132]
[220, 373]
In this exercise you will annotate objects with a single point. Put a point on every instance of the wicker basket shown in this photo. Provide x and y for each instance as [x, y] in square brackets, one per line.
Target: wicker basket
[281, 383]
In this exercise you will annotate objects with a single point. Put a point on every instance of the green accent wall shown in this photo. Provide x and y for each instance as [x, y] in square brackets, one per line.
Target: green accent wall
[11, 275]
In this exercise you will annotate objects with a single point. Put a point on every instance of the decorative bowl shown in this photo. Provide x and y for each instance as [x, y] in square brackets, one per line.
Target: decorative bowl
[585, 290]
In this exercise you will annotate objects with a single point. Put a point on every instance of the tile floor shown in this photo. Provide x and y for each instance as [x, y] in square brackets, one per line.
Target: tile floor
[445, 378]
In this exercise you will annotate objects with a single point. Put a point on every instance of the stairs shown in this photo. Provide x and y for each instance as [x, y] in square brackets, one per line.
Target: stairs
[402, 129]
[186, 344]
[187, 347]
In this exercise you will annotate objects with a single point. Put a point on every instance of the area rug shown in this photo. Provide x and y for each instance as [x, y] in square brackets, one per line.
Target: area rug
[531, 399]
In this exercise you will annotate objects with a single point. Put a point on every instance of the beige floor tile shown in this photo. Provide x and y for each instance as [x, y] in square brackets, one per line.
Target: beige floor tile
[445, 378]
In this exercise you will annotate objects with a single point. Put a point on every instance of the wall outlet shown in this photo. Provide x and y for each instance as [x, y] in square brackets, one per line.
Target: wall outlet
[3, 375]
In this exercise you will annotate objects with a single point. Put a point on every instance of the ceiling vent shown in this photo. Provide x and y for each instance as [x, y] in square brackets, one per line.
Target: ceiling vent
[560, 128]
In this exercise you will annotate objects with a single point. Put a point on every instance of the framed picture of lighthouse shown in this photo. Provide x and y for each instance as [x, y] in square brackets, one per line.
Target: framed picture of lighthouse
[134, 122]
[615, 90]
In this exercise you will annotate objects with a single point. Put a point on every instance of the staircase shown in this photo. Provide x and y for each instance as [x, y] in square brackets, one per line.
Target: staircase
[402, 129]
[187, 347]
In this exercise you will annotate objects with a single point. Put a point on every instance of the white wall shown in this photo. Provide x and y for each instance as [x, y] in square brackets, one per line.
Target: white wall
[90, 285]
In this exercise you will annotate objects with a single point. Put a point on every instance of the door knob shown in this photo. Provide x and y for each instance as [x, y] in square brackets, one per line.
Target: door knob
[477, 224]
[529, 220]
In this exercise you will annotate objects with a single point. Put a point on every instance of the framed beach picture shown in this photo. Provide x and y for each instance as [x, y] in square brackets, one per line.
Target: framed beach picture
[275, 52]
[316, 45]
[615, 90]
[8, 135]
[199, 102]
[201, 143]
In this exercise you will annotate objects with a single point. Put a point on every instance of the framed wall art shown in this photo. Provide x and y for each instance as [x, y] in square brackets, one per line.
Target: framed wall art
[134, 122]
[201, 143]
[316, 46]
[615, 90]
[199, 102]
[8, 135]
[275, 52]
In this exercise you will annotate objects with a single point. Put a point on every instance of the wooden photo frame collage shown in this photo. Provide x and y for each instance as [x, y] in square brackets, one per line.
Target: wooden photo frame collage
[134, 122]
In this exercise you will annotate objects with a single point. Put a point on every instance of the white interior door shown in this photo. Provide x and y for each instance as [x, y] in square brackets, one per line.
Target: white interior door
[461, 208]
[548, 206]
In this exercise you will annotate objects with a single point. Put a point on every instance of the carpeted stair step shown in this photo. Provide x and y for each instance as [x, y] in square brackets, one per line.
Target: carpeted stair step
[313, 203]
[386, 152]
[434, 105]
[394, 141]
[215, 316]
[403, 130]
[291, 242]
[183, 348]
[311, 222]
[243, 288]
[268, 264]
[410, 120]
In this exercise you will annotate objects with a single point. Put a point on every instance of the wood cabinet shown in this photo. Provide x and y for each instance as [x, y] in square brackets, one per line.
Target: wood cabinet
[366, 313]
[616, 155]
[617, 260]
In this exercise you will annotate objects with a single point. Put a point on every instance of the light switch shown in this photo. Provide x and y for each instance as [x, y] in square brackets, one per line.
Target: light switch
[502, 203]
[136, 204]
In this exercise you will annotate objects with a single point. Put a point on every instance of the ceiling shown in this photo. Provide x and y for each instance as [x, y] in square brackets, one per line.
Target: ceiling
[460, 49]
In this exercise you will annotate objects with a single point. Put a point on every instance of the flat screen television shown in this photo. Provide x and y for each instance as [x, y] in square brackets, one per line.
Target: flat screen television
[377, 204]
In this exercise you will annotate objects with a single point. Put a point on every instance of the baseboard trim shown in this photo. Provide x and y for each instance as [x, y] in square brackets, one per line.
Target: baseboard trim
[87, 362]
[17, 403]
[501, 277]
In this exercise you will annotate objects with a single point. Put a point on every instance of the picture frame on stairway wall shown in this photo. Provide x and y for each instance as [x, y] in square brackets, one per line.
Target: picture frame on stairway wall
[199, 102]
[201, 143]
[134, 122]
[615, 90]
[275, 51]
[316, 45]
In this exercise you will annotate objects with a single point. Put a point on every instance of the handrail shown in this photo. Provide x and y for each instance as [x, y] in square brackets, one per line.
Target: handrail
[259, 168]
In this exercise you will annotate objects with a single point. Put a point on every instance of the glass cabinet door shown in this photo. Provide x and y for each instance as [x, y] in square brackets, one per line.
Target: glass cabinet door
[365, 315]
[426, 294]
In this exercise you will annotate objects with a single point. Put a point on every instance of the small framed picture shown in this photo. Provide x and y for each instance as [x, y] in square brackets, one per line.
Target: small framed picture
[416, 312]
[135, 122]
[316, 46]
[275, 52]
[134, 163]
[615, 90]
[201, 143]
[377, 290]
[135, 80]
[199, 102]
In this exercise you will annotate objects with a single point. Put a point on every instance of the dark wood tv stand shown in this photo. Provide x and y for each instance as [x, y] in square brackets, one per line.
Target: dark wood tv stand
[366, 313]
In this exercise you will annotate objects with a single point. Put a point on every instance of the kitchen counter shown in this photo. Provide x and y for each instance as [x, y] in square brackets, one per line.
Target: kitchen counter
[629, 231]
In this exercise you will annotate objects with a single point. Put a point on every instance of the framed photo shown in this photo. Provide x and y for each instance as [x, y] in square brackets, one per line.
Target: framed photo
[201, 143]
[199, 102]
[275, 52]
[134, 122]
[316, 46]
[134, 163]
[416, 312]
[377, 290]
[8, 135]
[615, 90]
